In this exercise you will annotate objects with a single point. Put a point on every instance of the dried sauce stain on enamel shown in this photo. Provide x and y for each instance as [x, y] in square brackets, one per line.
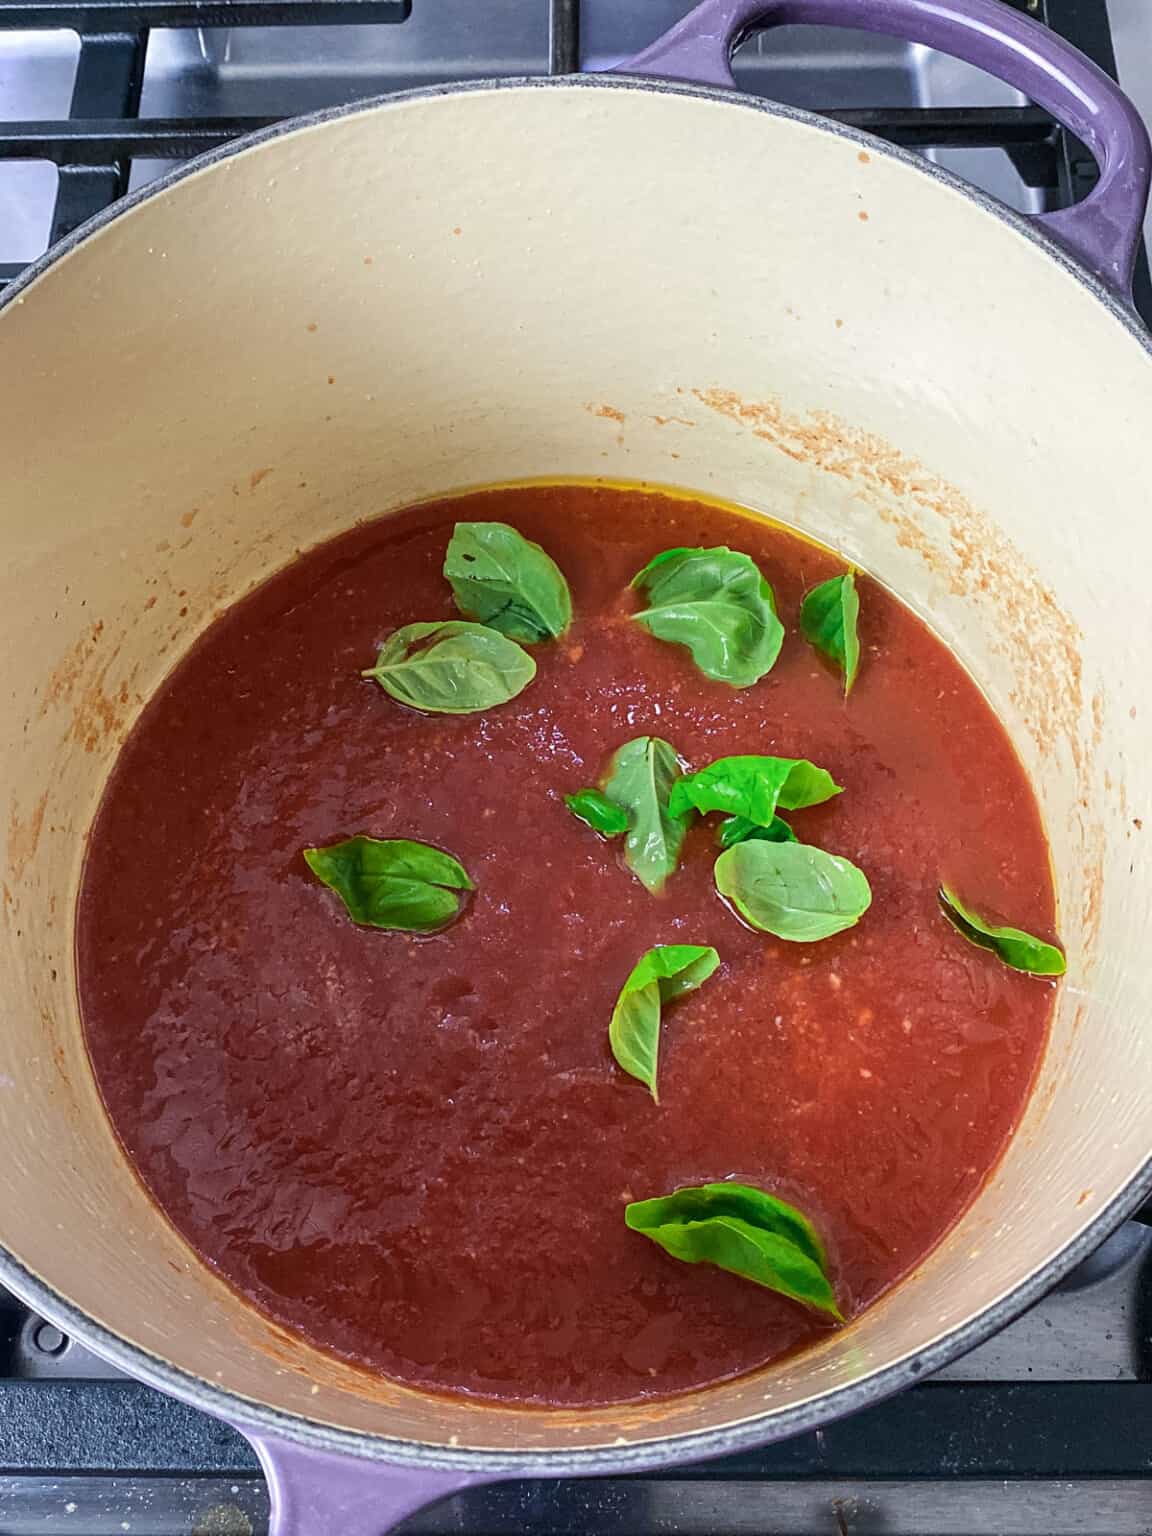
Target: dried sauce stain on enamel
[79, 688]
[973, 555]
[66, 675]
[414, 1151]
[101, 711]
[977, 560]
[24, 838]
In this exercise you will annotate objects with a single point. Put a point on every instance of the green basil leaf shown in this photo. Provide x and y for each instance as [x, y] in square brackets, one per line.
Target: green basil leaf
[662, 975]
[598, 812]
[753, 787]
[791, 890]
[451, 668]
[505, 581]
[716, 602]
[744, 1230]
[1018, 949]
[641, 779]
[828, 620]
[738, 829]
[662, 559]
[392, 882]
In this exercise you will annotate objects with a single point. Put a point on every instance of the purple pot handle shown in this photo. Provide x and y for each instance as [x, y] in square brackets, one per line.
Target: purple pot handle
[1102, 232]
[315, 1493]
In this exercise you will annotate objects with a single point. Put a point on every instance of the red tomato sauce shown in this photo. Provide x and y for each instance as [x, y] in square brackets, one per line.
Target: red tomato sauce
[417, 1151]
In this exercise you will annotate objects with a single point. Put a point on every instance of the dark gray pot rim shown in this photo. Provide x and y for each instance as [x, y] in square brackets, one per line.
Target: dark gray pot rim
[259, 1418]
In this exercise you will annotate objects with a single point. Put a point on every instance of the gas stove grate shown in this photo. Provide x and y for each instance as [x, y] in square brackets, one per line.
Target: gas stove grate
[88, 1455]
[943, 1458]
[94, 147]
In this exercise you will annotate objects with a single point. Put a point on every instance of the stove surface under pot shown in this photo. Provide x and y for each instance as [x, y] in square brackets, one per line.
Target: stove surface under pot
[1044, 1430]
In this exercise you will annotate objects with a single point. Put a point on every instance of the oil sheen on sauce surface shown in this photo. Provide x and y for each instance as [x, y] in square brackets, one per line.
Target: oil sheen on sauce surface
[417, 1151]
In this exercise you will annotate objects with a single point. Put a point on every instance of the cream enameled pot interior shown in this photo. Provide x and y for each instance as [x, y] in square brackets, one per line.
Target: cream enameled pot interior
[436, 293]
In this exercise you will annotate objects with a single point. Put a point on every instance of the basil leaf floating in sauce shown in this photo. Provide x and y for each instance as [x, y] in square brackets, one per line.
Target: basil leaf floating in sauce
[716, 602]
[451, 668]
[738, 829]
[662, 975]
[745, 1231]
[640, 783]
[791, 890]
[828, 620]
[752, 787]
[1018, 949]
[505, 581]
[598, 812]
[392, 882]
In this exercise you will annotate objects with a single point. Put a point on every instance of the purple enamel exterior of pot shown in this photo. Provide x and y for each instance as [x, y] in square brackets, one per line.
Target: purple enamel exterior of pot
[316, 1492]
[1102, 232]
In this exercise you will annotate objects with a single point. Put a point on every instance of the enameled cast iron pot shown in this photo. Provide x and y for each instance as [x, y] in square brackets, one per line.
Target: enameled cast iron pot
[647, 277]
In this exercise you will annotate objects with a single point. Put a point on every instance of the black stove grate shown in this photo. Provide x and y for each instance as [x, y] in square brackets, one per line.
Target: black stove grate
[96, 1457]
[117, 1456]
[94, 147]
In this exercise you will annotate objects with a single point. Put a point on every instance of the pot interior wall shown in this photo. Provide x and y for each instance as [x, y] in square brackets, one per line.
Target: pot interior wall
[585, 279]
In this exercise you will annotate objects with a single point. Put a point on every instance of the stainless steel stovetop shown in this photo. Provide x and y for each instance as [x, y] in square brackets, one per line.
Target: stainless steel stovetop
[1046, 1428]
[284, 70]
